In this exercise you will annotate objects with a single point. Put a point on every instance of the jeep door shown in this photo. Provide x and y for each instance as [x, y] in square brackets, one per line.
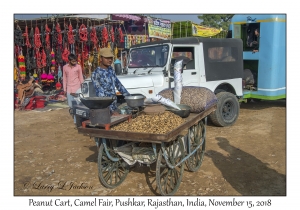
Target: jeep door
[189, 55]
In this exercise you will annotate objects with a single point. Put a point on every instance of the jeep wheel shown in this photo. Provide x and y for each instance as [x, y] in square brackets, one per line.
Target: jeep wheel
[227, 111]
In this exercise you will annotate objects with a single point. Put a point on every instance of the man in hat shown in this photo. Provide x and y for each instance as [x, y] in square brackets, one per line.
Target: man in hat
[105, 80]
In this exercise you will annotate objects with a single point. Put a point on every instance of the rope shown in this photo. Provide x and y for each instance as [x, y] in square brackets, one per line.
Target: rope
[18, 36]
[48, 58]
[42, 35]
[28, 62]
[54, 36]
[33, 60]
[99, 35]
[89, 42]
[117, 39]
[95, 61]
[59, 55]
[85, 53]
[77, 38]
[65, 39]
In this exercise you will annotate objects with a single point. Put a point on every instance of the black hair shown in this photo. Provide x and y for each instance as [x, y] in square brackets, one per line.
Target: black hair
[71, 56]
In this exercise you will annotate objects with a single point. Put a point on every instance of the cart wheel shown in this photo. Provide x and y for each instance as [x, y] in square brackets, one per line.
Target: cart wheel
[168, 179]
[196, 137]
[111, 173]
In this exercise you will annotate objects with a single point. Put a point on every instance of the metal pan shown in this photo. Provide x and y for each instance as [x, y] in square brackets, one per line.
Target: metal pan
[184, 112]
[97, 102]
[135, 100]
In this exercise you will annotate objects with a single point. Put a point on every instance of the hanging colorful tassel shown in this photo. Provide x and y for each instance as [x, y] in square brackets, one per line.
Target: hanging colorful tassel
[15, 73]
[50, 78]
[52, 58]
[22, 68]
[35, 76]
[116, 52]
[44, 76]
[79, 59]
[59, 74]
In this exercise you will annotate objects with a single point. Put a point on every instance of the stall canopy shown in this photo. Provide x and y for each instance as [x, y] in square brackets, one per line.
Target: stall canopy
[126, 17]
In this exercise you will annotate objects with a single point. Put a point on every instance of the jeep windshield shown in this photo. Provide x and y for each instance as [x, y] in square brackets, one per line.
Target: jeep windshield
[152, 56]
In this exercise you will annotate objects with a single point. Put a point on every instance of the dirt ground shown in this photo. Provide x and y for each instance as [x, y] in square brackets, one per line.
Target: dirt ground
[248, 158]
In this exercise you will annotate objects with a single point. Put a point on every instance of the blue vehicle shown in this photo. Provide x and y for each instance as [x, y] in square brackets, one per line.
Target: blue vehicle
[264, 55]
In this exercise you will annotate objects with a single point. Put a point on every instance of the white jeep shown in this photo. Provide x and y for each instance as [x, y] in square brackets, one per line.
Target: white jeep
[216, 64]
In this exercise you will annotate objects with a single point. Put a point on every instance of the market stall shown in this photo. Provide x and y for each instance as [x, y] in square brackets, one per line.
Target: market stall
[42, 46]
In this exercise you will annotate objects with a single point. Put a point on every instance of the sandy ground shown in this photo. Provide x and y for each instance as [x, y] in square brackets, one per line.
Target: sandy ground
[248, 158]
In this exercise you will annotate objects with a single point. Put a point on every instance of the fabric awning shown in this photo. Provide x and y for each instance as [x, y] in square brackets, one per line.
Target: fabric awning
[126, 17]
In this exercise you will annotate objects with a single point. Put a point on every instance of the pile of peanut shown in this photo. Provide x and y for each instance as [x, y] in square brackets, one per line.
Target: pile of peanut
[157, 124]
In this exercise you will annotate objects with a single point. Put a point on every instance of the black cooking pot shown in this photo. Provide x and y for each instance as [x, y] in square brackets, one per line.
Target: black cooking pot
[97, 102]
[184, 112]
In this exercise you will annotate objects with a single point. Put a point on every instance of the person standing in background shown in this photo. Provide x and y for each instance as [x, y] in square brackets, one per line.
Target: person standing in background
[118, 59]
[72, 79]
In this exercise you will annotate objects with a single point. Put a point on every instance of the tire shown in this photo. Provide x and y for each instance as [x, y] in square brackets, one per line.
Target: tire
[227, 111]
[111, 173]
[168, 179]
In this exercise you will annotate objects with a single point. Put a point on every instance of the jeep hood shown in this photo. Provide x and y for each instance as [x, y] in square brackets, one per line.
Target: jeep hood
[141, 81]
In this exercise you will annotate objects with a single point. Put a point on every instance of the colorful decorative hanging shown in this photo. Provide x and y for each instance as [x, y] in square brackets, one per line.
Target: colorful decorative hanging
[85, 53]
[43, 59]
[38, 57]
[116, 52]
[65, 54]
[27, 43]
[59, 35]
[18, 36]
[83, 33]
[112, 34]
[71, 39]
[31, 37]
[16, 73]
[22, 67]
[50, 78]
[79, 59]
[59, 74]
[94, 38]
[52, 58]
[35, 76]
[44, 76]
[104, 36]
[121, 35]
[37, 40]
[47, 38]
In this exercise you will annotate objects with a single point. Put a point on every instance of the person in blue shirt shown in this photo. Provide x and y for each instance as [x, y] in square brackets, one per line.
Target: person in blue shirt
[105, 80]
[118, 59]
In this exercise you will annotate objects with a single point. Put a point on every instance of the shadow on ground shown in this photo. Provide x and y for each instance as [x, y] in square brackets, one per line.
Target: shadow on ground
[245, 173]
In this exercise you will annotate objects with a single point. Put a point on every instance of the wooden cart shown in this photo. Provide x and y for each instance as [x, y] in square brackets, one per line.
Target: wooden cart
[186, 143]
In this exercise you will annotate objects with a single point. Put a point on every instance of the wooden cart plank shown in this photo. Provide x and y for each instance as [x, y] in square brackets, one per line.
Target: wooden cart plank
[146, 137]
